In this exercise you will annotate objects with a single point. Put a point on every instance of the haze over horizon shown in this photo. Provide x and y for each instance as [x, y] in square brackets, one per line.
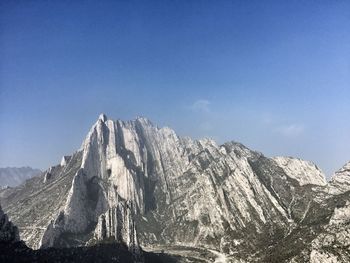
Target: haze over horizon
[274, 76]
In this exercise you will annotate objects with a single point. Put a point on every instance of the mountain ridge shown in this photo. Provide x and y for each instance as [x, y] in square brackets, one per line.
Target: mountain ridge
[14, 176]
[145, 186]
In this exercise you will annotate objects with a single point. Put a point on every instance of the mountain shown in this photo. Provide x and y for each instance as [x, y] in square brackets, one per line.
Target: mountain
[145, 186]
[12, 249]
[13, 176]
[8, 232]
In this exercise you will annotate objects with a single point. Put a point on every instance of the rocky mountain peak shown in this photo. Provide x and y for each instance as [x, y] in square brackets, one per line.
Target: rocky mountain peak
[102, 117]
[65, 159]
[144, 120]
[146, 186]
[305, 172]
[340, 181]
[344, 170]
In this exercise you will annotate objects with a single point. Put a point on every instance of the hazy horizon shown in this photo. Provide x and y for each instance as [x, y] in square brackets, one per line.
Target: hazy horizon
[274, 76]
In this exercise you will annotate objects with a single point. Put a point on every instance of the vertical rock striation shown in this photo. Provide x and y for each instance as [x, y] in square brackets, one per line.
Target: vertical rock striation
[118, 223]
[141, 185]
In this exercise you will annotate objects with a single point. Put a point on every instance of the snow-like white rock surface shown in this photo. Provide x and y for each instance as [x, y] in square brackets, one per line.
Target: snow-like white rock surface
[341, 215]
[340, 181]
[144, 185]
[304, 172]
[195, 181]
[322, 256]
[65, 159]
[119, 223]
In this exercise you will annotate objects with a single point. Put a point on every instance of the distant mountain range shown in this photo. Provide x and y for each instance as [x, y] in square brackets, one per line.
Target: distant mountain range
[13, 176]
[146, 187]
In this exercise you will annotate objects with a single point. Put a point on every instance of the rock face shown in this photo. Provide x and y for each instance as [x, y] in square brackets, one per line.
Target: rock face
[8, 232]
[35, 204]
[65, 159]
[340, 181]
[13, 176]
[303, 171]
[142, 185]
[118, 223]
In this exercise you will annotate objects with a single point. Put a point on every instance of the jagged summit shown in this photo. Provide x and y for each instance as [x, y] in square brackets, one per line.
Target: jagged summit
[65, 159]
[305, 172]
[143, 119]
[344, 169]
[138, 120]
[340, 180]
[102, 117]
[146, 186]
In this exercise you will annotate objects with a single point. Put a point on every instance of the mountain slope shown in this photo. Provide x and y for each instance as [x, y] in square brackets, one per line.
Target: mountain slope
[8, 232]
[35, 203]
[143, 185]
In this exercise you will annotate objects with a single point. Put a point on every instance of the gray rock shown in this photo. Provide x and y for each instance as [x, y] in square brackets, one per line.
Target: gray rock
[8, 232]
[65, 159]
[145, 186]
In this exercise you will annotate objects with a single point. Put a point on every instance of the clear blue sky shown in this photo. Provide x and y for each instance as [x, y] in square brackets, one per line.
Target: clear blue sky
[274, 75]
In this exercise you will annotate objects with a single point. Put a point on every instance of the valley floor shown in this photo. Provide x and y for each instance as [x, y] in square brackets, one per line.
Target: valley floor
[186, 254]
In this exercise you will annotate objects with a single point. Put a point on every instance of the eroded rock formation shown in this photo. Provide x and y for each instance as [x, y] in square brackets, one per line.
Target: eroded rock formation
[142, 185]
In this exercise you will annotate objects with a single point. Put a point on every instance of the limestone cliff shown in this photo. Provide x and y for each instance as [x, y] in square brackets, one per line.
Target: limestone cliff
[145, 186]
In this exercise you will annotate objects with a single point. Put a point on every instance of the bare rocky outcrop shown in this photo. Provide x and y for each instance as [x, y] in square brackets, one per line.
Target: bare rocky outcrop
[65, 159]
[34, 206]
[145, 186]
[8, 232]
[118, 223]
[303, 171]
[340, 182]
